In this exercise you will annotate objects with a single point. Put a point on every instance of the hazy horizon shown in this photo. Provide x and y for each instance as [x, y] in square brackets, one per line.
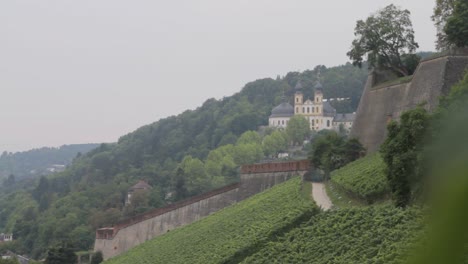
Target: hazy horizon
[87, 71]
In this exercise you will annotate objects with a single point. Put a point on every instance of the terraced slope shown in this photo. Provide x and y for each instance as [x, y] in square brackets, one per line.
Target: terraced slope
[364, 178]
[231, 234]
[381, 234]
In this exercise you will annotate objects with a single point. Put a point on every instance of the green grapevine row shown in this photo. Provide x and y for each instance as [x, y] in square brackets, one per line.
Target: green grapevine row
[376, 234]
[230, 234]
[364, 178]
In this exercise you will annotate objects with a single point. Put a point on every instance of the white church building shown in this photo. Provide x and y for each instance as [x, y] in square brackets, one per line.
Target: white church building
[319, 112]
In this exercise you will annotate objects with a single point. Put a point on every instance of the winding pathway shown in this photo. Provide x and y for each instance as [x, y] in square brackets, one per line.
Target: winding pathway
[319, 194]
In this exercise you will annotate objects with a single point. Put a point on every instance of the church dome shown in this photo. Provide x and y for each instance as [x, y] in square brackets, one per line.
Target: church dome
[283, 110]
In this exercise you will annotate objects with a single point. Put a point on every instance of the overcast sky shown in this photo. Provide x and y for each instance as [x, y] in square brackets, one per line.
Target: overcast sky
[80, 71]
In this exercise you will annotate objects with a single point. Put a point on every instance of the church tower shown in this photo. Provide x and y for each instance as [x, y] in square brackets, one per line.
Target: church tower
[318, 98]
[298, 99]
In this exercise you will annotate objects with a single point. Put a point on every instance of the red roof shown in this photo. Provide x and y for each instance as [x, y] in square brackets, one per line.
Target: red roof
[141, 185]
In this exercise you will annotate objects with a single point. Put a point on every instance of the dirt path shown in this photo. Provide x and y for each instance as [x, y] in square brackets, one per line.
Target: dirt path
[319, 194]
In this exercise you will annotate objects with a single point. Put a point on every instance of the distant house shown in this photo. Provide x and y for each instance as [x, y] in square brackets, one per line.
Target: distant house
[56, 168]
[6, 237]
[139, 187]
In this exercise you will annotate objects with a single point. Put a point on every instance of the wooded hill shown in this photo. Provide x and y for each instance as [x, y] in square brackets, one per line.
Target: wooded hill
[35, 162]
[68, 207]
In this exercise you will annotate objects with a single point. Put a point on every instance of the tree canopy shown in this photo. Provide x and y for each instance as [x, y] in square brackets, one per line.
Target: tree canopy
[331, 151]
[442, 11]
[456, 27]
[401, 152]
[298, 129]
[385, 37]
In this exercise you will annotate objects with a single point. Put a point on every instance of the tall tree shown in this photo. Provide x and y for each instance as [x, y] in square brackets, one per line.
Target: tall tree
[61, 255]
[331, 151]
[298, 129]
[385, 37]
[456, 28]
[442, 11]
[401, 152]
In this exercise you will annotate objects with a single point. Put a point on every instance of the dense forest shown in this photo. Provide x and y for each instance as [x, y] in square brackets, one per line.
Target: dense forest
[179, 156]
[36, 162]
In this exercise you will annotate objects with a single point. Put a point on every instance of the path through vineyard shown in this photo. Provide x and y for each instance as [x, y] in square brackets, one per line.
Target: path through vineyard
[319, 194]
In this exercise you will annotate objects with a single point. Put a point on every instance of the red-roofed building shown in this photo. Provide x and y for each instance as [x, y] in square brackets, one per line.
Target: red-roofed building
[141, 186]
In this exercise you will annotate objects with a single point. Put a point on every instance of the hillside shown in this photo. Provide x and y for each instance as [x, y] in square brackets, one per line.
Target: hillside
[355, 235]
[70, 205]
[230, 234]
[363, 179]
[36, 162]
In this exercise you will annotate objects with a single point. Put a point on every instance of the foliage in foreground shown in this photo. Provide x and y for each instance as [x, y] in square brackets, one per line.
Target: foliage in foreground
[364, 178]
[402, 152]
[230, 234]
[357, 235]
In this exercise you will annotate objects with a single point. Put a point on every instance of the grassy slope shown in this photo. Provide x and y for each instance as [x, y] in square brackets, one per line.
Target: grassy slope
[230, 234]
[363, 179]
[377, 234]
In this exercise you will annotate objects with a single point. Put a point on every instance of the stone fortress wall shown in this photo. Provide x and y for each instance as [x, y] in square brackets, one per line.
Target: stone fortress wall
[379, 104]
[255, 178]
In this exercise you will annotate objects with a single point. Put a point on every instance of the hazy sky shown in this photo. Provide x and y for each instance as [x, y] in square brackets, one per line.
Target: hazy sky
[79, 71]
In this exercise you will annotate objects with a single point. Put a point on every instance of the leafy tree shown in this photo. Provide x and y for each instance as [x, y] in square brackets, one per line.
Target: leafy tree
[247, 153]
[274, 143]
[297, 129]
[197, 180]
[180, 187]
[97, 258]
[326, 152]
[401, 152]
[61, 255]
[331, 151]
[385, 37]
[442, 11]
[353, 150]
[456, 28]
[249, 137]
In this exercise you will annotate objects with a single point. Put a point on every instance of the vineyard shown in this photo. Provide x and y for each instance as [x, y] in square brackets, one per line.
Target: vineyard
[376, 234]
[364, 179]
[231, 234]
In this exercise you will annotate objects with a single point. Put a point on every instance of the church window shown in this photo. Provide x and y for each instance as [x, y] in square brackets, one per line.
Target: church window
[282, 122]
[303, 109]
[308, 109]
[313, 109]
[318, 110]
[313, 123]
[297, 109]
[328, 123]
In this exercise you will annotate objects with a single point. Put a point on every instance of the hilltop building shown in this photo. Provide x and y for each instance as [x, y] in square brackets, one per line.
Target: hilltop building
[141, 186]
[319, 112]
